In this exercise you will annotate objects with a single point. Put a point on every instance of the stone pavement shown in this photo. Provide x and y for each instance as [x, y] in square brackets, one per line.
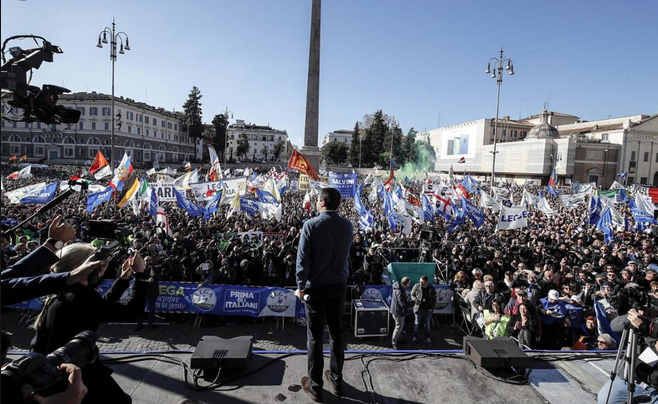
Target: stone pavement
[269, 335]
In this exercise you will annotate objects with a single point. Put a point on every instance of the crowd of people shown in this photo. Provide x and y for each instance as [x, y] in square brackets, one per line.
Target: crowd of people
[538, 284]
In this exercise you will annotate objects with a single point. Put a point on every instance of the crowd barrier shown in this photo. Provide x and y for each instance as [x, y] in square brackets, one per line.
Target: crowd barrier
[227, 300]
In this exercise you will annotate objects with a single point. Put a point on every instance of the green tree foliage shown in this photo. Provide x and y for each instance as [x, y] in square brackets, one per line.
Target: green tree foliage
[279, 148]
[393, 145]
[243, 146]
[373, 142]
[220, 123]
[193, 113]
[265, 151]
[408, 148]
[355, 146]
[334, 153]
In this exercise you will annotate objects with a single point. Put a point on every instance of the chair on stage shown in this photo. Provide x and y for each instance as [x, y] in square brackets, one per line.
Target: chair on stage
[466, 319]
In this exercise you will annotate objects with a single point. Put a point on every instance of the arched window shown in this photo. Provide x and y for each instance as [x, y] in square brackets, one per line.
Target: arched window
[129, 143]
[38, 139]
[68, 140]
[93, 140]
[14, 138]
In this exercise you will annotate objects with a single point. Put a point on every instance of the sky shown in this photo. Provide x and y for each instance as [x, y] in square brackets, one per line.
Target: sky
[421, 61]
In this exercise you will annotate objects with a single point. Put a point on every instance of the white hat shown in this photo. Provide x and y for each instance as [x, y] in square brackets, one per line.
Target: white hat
[553, 294]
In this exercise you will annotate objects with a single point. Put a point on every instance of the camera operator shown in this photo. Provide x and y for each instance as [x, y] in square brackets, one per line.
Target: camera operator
[646, 375]
[83, 308]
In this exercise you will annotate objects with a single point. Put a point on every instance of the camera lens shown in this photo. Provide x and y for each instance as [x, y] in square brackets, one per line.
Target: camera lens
[80, 351]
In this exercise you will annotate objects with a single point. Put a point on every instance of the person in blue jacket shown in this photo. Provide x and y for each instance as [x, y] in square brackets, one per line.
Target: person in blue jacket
[400, 303]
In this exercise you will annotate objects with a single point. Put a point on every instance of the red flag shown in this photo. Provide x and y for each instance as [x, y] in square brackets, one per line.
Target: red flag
[299, 163]
[462, 160]
[98, 163]
[12, 158]
[387, 184]
[23, 158]
[414, 201]
[653, 194]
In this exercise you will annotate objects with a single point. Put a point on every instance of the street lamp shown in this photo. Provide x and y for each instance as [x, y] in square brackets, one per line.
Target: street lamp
[605, 163]
[497, 73]
[114, 38]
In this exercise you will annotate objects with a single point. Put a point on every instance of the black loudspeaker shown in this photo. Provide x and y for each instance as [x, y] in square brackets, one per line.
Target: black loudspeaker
[213, 353]
[499, 352]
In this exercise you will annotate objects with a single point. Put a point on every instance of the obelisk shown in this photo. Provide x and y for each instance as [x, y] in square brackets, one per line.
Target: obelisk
[310, 149]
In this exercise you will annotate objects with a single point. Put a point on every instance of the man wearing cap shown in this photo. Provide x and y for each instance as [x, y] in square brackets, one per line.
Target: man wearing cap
[554, 320]
[607, 299]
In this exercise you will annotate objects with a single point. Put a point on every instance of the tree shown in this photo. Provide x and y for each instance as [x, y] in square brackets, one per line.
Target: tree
[355, 146]
[408, 148]
[193, 113]
[392, 145]
[373, 142]
[220, 122]
[243, 146]
[265, 151]
[278, 149]
[334, 153]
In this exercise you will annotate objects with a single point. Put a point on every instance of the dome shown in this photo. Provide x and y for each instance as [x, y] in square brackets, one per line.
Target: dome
[544, 129]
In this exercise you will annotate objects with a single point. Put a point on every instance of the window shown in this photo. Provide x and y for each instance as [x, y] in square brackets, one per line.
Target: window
[139, 130]
[93, 125]
[14, 149]
[155, 122]
[93, 111]
[68, 151]
[130, 129]
[106, 111]
[107, 126]
[147, 132]
[146, 120]
[646, 158]
[163, 124]
[604, 137]
[81, 125]
[631, 180]
[38, 150]
[593, 178]
[169, 125]
[632, 156]
[631, 166]
[656, 157]
[643, 180]
[129, 115]
[175, 126]
[138, 117]
[92, 152]
[82, 110]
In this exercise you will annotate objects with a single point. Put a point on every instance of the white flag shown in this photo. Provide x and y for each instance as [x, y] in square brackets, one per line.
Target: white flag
[488, 202]
[514, 217]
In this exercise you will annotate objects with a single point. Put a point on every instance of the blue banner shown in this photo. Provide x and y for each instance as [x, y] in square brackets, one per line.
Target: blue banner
[344, 183]
[44, 195]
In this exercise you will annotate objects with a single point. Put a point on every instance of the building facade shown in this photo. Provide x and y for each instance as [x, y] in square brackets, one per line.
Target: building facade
[340, 136]
[531, 148]
[262, 142]
[147, 134]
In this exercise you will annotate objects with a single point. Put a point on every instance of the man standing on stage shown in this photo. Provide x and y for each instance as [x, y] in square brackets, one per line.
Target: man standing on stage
[322, 271]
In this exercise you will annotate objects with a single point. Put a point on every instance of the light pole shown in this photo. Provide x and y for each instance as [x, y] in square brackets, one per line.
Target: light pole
[114, 37]
[605, 163]
[360, 145]
[497, 73]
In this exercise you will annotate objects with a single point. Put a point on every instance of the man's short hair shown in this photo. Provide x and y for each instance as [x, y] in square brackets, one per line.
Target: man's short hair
[424, 278]
[405, 280]
[331, 198]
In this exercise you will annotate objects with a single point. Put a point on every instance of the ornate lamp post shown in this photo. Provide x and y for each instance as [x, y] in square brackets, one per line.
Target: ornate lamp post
[497, 73]
[114, 38]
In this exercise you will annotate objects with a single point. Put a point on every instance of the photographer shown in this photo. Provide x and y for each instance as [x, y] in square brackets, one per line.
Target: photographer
[646, 375]
[73, 394]
[83, 308]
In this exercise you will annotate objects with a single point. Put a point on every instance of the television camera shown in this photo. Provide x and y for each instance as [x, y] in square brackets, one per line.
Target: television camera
[38, 104]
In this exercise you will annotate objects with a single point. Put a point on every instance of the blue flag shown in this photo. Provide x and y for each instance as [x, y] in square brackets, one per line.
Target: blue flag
[213, 204]
[458, 221]
[551, 190]
[153, 203]
[44, 196]
[248, 205]
[473, 213]
[266, 197]
[394, 165]
[428, 209]
[605, 225]
[366, 219]
[641, 216]
[602, 322]
[97, 198]
[595, 208]
[192, 209]
[358, 205]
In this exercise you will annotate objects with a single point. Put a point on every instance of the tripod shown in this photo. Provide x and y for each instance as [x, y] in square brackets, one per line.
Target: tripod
[628, 337]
